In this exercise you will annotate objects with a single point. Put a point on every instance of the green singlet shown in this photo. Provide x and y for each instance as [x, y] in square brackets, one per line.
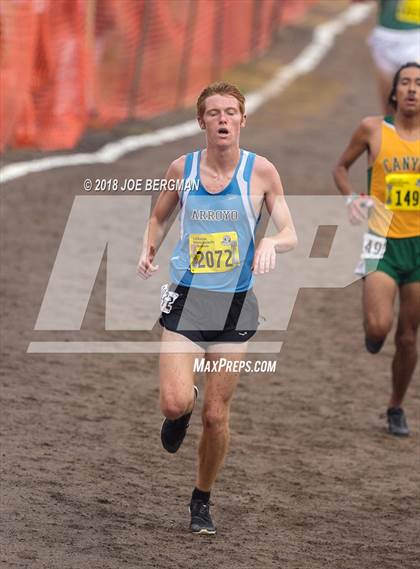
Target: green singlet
[399, 14]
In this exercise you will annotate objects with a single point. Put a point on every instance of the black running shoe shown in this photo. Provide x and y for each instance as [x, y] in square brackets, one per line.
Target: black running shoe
[397, 423]
[373, 346]
[173, 432]
[201, 522]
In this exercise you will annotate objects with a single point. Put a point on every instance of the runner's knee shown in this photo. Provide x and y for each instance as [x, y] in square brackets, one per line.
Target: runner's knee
[377, 327]
[215, 420]
[406, 341]
[173, 407]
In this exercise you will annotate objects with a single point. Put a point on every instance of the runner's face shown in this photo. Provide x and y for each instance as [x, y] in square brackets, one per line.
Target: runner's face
[408, 91]
[222, 120]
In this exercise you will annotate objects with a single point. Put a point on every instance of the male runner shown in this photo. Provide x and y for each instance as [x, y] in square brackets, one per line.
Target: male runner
[391, 254]
[210, 305]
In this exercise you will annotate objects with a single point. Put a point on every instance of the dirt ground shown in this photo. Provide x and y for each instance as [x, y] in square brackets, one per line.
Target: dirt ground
[312, 479]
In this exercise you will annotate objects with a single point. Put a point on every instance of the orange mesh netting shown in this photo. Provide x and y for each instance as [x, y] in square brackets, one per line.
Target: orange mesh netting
[69, 64]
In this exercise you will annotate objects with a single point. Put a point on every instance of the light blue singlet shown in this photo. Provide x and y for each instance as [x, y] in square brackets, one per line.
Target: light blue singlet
[217, 231]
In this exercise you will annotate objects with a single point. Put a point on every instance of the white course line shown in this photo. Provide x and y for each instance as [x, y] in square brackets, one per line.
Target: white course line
[324, 37]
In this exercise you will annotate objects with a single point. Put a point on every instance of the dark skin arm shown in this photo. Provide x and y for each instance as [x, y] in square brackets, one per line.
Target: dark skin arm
[361, 141]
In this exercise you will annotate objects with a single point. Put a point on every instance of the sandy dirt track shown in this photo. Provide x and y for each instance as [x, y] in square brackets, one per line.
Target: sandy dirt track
[312, 479]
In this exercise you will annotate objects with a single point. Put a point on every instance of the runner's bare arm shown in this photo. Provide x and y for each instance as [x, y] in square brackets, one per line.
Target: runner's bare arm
[156, 227]
[359, 143]
[285, 239]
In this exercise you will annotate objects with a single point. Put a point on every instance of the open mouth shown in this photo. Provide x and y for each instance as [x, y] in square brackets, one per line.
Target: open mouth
[223, 131]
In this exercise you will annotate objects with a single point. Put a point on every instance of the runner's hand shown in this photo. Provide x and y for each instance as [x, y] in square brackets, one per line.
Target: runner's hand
[265, 256]
[358, 209]
[145, 268]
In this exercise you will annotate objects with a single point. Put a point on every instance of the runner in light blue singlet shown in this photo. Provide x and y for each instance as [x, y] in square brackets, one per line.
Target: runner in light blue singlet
[217, 231]
[209, 310]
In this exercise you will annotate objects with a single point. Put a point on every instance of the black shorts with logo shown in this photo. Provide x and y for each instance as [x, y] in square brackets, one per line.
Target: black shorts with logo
[209, 316]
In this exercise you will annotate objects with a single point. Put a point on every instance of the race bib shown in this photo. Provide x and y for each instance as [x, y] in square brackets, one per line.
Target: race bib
[403, 192]
[408, 11]
[167, 299]
[374, 246]
[214, 252]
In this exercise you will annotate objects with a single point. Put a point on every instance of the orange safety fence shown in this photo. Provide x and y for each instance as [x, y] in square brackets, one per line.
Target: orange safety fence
[66, 65]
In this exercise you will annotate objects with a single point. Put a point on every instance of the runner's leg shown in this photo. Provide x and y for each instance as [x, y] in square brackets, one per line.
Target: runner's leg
[218, 394]
[379, 291]
[405, 357]
[177, 376]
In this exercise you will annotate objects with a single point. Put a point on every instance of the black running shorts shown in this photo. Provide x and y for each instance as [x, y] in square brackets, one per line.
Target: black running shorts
[209, 316]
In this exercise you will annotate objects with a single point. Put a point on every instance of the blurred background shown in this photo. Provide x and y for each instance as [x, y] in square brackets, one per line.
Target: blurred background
[67, 65]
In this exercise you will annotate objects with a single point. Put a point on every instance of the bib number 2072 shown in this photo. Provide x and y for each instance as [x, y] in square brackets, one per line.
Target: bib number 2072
[213, 259]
